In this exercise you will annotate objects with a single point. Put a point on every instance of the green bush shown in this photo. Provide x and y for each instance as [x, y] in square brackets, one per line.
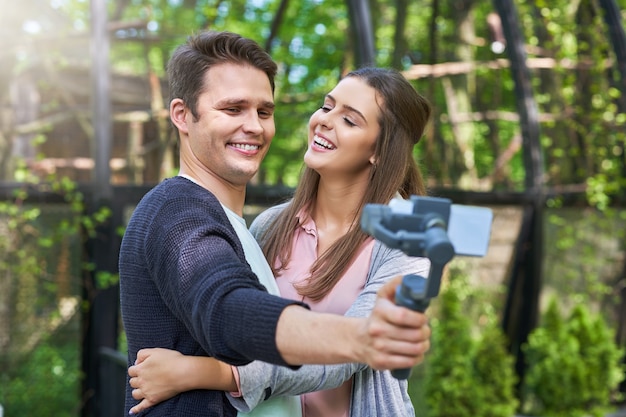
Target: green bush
[45, 383]
[495, 373]
[450, 389]
[466, 375]
[41, 263]
[573, 366]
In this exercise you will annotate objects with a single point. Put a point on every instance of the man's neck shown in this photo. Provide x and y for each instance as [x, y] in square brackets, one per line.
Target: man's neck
[230, 196]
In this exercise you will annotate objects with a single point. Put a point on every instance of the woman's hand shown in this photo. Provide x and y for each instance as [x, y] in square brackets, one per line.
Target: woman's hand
[158, 375]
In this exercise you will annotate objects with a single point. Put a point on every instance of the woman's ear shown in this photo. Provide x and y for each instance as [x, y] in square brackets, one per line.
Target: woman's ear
[178, 114]
[373, 160]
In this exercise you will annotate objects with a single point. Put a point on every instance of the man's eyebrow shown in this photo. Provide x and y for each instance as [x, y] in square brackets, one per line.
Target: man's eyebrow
[269, 105]
[349, 108]
[243, 101]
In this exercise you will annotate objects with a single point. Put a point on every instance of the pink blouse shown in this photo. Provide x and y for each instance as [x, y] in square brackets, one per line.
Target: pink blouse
[333, 402]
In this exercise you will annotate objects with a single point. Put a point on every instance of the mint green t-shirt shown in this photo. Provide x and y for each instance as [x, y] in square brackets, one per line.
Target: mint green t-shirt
[286, 406]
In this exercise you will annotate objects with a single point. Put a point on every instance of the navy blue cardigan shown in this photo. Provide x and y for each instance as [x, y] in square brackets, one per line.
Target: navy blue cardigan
[185, 285]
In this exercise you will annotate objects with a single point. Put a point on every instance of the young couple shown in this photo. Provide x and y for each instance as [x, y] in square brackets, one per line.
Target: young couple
[222, 337]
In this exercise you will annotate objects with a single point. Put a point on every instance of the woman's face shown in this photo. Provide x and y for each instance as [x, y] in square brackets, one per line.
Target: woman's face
[343, 132]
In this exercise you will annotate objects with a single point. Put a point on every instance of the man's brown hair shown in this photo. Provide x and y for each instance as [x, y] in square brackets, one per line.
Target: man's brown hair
[189, 63]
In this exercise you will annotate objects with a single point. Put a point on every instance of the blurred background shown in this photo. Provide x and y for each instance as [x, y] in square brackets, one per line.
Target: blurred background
[529, 120]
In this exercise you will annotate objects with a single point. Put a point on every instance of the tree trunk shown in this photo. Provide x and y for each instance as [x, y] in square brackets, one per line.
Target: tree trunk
[399, 41]
[462, 87]
[362, 32]
[522, 309]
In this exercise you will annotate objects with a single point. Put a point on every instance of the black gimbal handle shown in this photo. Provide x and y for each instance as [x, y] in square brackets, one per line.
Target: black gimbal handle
[410, 294]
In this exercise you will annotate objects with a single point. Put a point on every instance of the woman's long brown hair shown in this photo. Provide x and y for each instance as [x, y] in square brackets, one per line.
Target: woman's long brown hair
[404, 114]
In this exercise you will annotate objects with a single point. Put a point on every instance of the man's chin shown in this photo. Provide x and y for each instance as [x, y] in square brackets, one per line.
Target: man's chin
[244, 176]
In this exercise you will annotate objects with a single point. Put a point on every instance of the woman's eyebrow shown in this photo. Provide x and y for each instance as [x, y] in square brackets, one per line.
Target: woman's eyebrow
[349, 108]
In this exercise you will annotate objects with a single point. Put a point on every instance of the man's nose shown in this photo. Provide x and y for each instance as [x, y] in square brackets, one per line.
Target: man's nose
[252, 123]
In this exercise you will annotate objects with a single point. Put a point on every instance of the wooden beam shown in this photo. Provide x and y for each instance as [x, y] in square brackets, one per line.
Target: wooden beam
[456, 68]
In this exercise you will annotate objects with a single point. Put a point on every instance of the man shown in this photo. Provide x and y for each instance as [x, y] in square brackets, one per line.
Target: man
[185, 283]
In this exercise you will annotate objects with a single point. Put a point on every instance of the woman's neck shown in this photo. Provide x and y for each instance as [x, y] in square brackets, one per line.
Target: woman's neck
[336, 206]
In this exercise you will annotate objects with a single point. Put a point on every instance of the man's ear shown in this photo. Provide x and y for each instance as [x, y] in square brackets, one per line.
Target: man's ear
[178, 114]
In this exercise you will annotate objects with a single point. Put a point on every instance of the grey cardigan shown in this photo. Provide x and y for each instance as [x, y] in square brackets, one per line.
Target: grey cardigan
[374, 393]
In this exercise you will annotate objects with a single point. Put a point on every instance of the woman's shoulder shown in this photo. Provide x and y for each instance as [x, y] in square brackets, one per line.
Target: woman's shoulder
[263, 220]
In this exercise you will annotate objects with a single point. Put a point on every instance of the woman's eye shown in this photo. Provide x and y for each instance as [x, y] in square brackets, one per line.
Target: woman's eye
[349, 122]
[325, 109]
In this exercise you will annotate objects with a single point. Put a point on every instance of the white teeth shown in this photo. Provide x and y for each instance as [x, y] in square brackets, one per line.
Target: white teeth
[323, 142]
[246, 147]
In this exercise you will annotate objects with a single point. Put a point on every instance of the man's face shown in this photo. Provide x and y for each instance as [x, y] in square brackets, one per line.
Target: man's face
[235, 125]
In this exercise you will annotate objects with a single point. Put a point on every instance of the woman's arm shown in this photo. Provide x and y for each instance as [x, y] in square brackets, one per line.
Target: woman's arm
[160, 374]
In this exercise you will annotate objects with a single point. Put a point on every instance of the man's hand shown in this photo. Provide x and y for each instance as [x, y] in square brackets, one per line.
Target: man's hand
[394, 337]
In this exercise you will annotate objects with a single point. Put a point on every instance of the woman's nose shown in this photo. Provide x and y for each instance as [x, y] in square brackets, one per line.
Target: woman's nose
[324, 119]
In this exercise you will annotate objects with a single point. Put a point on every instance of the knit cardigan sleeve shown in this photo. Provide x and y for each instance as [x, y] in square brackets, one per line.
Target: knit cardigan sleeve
[260, 381]
[185, 284]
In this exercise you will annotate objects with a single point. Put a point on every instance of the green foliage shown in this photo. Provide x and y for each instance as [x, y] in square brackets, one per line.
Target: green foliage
[495, 373]
[582, 128]
[40, 268]
[576, 88]
[105, 279]
[46, 382]
[573, 365]
[451, 389]
[585, 248]
[467, 375]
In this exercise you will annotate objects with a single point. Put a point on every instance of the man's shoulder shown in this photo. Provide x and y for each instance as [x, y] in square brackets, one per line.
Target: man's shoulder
[178, 201]
[179, 188]
[178, 185]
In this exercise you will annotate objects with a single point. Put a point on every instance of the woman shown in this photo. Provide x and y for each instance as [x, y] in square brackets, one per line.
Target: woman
[360, 152]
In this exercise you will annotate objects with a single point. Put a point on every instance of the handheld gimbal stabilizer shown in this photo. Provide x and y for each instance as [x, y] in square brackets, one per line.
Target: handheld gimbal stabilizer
[419, 227]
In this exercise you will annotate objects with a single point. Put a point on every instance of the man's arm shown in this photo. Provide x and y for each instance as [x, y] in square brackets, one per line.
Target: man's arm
[391, 337]
[211, 289]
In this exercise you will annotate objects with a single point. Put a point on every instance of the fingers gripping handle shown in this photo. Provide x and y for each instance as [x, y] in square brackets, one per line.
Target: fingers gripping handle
[411, 294]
